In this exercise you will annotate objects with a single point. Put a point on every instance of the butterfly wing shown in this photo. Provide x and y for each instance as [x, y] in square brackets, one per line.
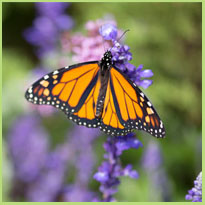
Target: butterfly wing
[74, 90]
[127, 108]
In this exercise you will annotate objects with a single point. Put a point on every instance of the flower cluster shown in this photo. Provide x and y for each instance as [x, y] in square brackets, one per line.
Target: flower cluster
[89, 47]
[195, 194]
[110, 170]
[28, 145]
[51, 21]
[122, 55]
[42, 171]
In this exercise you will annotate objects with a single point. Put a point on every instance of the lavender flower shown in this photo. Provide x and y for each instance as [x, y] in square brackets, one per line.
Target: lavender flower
[108, 31]
[82, 157]
[84, 160]
[47, 187]
[160, 189]
[195, 194]
[152, 158]
[122, 56]
[77, 193]
[90, 47]
[46, 29]
[28, 145]
[51, 10]
[50, 184]
[110, 170]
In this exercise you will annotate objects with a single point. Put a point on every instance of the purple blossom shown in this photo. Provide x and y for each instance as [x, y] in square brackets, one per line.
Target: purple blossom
[127, 142]
[122, 56]
[89, 47]
[110, 170]
[47, 187]
[108, 31]
[195, 194]
[152, 158]
[50, 185]
[77, 193]
[43, 173]
[51, 9]
[48, 25]
[80, 151]
[28, 144]
[84, 157]
[152, 162]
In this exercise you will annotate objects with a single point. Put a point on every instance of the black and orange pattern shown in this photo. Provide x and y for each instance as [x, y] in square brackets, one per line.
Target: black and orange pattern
[126, 108]
[78, 91]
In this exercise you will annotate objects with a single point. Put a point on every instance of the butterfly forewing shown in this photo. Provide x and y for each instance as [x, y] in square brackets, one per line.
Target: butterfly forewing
[74, 90]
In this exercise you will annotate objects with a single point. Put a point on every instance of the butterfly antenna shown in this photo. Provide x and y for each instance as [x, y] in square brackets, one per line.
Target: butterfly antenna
[120, 37]
[123, 34]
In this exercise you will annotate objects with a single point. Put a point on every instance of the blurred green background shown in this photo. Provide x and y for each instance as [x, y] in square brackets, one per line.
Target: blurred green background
[164, 37]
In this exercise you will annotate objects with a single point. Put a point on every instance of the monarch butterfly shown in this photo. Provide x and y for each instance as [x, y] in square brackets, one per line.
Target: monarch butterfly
[98, 94]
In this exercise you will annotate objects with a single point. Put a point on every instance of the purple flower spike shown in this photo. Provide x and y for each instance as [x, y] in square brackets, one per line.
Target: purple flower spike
[195, 194]
[146, 73]
[129, 172]
[49, 184]
[77, 193]
[108, 31]
[110, 170]
[127, 142]
[159, 184]
[121, 57]
[152, 158]
[48, 26]
[51, 9]
[28, 144]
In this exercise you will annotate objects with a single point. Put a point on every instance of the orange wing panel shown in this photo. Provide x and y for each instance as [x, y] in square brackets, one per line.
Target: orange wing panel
[76, 73]
[57, 89]
[125, 84]
[120, 98]
[80, 87]
[130, 107]
[88, 110]
[67, 91]
[109, 116]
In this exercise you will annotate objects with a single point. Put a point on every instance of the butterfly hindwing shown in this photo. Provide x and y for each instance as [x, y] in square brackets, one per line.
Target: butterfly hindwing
[110, 122]
[133, 109]
[86, 114]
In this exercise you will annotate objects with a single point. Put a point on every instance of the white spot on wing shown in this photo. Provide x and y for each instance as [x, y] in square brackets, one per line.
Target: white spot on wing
[161, 124]
[149, 104]
[142, 94]
[30, 90]
[46, 77]
[55, 72]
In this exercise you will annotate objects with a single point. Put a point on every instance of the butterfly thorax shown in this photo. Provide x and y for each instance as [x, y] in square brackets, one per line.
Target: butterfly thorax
[105, 62]
[105, 65]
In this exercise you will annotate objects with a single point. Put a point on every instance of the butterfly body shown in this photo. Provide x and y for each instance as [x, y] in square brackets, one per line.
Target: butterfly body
[104, 65]
[98, 94]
